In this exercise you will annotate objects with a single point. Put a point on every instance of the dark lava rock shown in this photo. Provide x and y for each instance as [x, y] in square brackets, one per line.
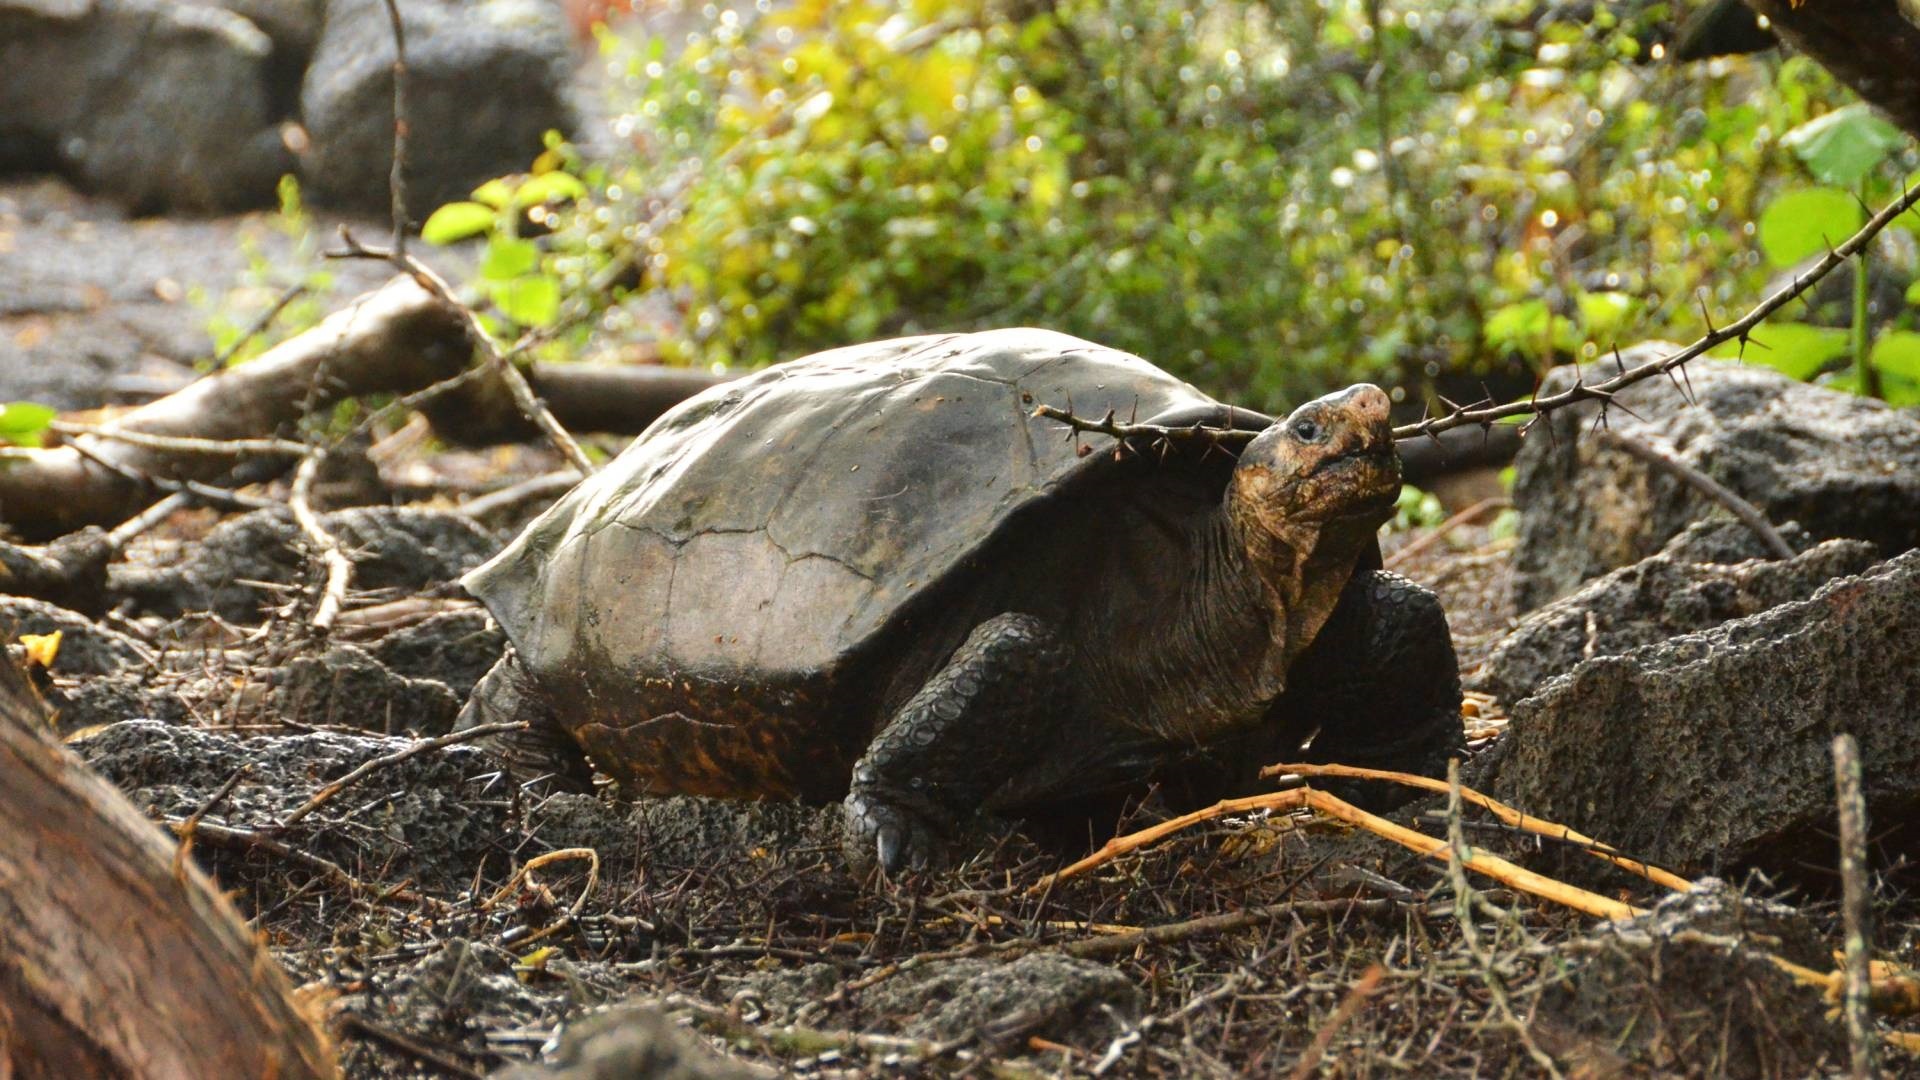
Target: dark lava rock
[1057, 997]
[486, 79]
[428, 818]
[453, 648]
[1839, 464]
[1655, 599]
[687, 831]
[631, 1040]
[232, 571]
[345, 687]
[163, 106]
[86, 647]
[94, 700]
[1688, 990]
[1713, 749]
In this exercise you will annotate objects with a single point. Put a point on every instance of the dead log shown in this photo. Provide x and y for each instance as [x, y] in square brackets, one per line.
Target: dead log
[396, 339]
[113, 961]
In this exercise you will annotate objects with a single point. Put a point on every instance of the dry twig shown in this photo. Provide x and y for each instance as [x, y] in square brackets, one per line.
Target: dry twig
[1661, 458]
[1442, 530]
[339, 566]
[1511, 817]
[1854, 904]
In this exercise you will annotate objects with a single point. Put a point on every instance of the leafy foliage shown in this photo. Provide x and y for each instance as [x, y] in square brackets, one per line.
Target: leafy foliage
[1268, 198]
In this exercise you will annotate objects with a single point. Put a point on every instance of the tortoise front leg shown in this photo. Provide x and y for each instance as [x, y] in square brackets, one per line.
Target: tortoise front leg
[1382, 685]
[955, 741]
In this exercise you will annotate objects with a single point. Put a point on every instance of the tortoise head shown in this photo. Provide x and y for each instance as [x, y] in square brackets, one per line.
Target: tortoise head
[1328, 472]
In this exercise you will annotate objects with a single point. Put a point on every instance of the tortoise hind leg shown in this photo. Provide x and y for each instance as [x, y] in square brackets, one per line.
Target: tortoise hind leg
[544, 749]
[1382, 685]
[954, 742]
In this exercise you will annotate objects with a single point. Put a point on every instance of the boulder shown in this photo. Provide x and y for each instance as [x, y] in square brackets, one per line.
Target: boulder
[1838, 464]
[1711, 750]
[161, 106]
[1661, 597]
[486, 80]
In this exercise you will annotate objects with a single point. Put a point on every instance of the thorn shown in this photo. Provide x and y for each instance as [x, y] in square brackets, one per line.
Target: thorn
[1619, 361]
[1748, 336]
[1704, 313]
[1450, 404]
[1692, 398]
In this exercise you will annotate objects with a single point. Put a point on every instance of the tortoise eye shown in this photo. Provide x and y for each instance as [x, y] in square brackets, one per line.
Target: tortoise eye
[1306, 430]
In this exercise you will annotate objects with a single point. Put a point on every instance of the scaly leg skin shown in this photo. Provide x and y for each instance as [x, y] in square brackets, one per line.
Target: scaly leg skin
[1382, 685]
[544, 749]
[954, 742]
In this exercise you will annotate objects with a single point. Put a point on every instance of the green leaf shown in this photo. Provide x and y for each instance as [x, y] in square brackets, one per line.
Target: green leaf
[508, 258]
[1897, 353]
[1794, 349]
[533, 300]
[549, 187]
[1604, 313]
[495, 193]
[1806, 222]
[23, 423]
[1913, 293]
[457, 221]
[1517, 327]
[1843, 146]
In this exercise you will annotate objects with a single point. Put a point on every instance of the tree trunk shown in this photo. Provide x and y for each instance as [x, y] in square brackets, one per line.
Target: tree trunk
[1867, 44]
[111, 963]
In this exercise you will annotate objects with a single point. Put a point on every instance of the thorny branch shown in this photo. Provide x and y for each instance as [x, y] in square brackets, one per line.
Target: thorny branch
[1485, 414]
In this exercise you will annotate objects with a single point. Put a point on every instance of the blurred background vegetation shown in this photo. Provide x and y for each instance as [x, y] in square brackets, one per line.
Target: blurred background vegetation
[1269, 197]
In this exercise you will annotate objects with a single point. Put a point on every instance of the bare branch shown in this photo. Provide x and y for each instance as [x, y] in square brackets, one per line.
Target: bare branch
[498, 361]
[397, 179]
[1748, 513]
[339, 567]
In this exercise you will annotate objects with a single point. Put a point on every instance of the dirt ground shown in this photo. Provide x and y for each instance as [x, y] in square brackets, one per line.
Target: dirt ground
[455, 921]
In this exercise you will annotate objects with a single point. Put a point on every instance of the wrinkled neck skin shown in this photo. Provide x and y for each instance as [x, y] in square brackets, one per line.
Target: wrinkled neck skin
[1251, 601]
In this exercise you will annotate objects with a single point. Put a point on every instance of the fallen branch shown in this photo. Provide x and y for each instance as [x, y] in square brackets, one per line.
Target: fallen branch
[1445, 528]
[1511, 817]
[339, 567]
[499, 362]
[1855, 906]
[399, 337]
[1515, 877]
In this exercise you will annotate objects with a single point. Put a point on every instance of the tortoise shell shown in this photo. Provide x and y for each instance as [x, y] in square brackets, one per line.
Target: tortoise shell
[703, 612]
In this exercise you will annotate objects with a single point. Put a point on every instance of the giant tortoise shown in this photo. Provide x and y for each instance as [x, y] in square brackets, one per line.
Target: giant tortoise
[874, 574]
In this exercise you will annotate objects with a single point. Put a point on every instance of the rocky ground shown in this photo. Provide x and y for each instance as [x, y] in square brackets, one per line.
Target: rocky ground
[458, 923]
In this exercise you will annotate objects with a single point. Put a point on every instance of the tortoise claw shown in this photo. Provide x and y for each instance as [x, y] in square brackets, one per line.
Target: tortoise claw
[882, 830]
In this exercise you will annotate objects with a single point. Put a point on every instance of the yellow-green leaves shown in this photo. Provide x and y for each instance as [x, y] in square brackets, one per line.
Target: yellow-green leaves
[1807, 222]
[24, 423]
[457, 221]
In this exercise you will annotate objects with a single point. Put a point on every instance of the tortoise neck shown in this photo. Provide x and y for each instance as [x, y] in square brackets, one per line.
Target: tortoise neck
[1297, 568]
